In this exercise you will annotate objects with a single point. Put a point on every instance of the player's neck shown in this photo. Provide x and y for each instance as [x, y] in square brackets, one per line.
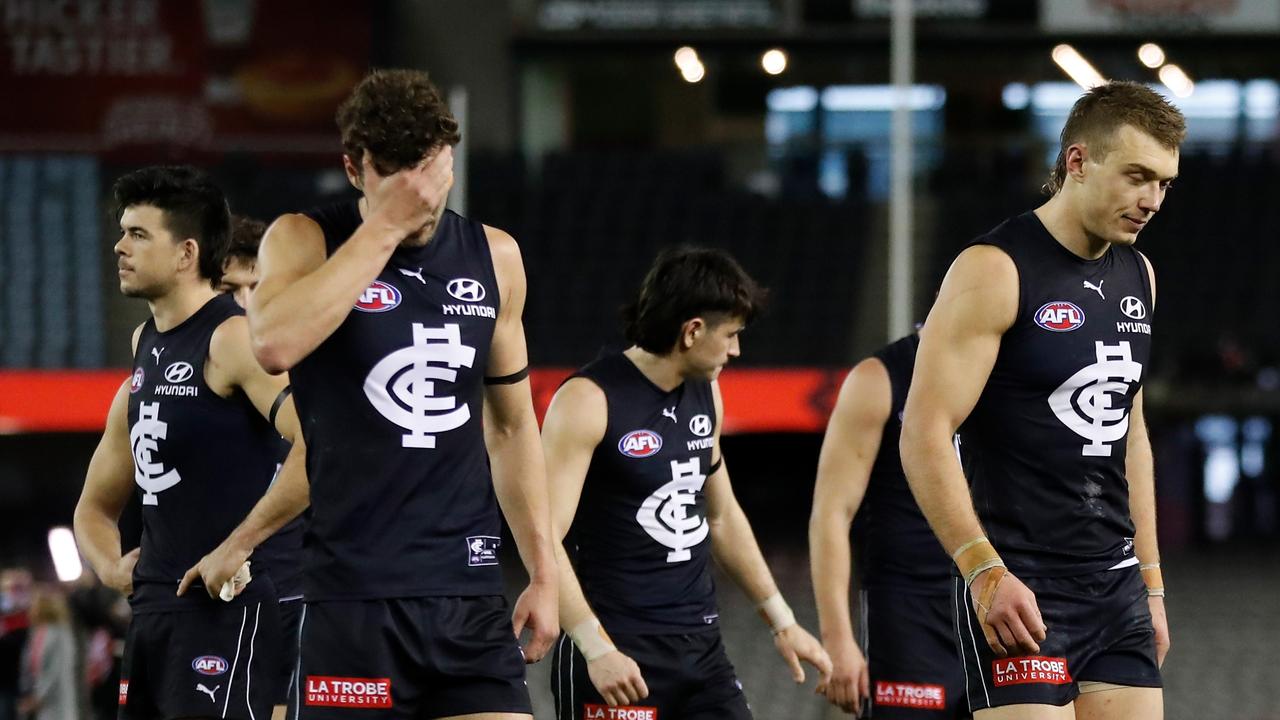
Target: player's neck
[173, 309]
[1061, 218]
[661, 370]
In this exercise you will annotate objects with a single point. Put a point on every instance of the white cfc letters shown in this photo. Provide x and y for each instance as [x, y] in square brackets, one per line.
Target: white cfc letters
[1086, 401]
[665, 513]
[405, 385]
[147, 472]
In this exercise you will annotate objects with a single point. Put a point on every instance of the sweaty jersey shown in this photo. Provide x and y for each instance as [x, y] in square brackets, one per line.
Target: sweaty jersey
[640, 538]
[1045, 446]
[391, 405]
[201, 461]
[895, 548]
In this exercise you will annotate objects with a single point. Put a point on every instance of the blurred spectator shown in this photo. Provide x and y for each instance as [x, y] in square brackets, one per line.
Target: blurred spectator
[49, 683]
[101, 618]
[15, 598]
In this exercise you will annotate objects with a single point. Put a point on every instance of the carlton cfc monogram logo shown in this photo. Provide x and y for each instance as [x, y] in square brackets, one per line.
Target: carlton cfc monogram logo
[403, 386]
[1086, 402]
[665, 513]
[143, 436]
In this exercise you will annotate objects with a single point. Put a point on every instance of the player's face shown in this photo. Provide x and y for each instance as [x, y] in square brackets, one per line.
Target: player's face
[1124, 189]
[147, 257]
[239, 277]
[367, 179]
[715, 345]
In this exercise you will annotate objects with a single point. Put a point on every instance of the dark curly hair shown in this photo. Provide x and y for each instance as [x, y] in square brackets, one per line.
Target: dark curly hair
[685, 283]
[1100, 112]
[397, 116]
[246, 236]
[194, 207]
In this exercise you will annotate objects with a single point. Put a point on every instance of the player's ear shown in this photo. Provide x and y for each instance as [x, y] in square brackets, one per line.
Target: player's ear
[353, 172]
[690, 331]
[188, 254]
[1076, 156]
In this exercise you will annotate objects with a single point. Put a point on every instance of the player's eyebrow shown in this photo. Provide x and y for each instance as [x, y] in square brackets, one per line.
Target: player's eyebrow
[1148, 172]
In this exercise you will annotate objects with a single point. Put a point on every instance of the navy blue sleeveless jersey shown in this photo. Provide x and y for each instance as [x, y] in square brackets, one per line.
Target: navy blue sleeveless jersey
[640, 540]
[894, 546]
[201, 461]
[391, 404]
[1045, 446]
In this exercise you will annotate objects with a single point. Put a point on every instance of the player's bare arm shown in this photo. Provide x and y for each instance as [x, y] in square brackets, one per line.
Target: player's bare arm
[515, 452]
[735, 549]
[849, 450]
[958, 348]
[1140, 471]
[575, 424]
[108, 483]
[231, 368]
[303, 296]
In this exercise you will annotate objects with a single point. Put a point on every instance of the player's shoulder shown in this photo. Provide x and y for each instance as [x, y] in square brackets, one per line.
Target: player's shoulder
[579, 405]
[295, 226]
[502, 246]
[230, 347]
[137, 335]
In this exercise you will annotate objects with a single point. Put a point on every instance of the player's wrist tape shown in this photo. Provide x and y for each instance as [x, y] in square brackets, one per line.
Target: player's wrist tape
[777, 613]
[1153, 579]
[591, 639]
[976, 557]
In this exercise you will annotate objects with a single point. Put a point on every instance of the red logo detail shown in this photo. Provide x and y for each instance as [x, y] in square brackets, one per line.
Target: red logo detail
[348, 692]
[136, 383]
[640, 443]
[591, 711]
[378, 297]
[1059, 316]
[1028, 670]
[124, 691]
[911, 695]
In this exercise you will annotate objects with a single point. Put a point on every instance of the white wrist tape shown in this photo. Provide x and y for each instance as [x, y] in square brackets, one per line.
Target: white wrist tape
[234, 586]
[777, 613]
[591, 639]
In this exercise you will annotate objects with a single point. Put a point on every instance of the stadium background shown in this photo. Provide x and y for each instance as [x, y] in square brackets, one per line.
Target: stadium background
[588, 141]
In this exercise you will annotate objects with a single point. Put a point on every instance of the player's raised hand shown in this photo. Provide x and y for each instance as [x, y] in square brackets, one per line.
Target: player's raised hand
[850, 682]
[536, 608]
[215, 569]
[794, 644]
[617, 678]
[411, 200]
[1007, 612]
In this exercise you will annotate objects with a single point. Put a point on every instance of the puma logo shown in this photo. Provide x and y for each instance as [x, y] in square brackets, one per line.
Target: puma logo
[413, 273]
[209, 692]
[1098, 288]
[156, 353]
[671, 413]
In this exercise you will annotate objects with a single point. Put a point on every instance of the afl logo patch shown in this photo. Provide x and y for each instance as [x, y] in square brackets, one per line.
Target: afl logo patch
[209, 665]
[178, 372]
[136, 383]
[466, 289]
[1059, 316]
[640, 443]
[378, 297]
